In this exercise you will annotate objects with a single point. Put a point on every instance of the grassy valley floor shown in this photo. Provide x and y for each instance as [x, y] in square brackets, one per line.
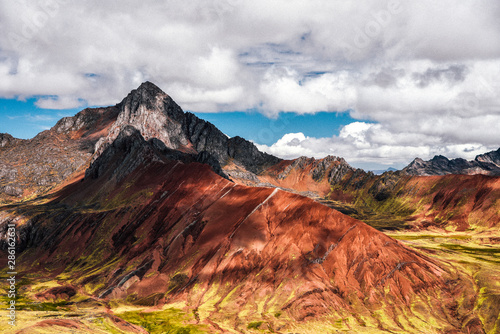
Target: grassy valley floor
[475, 254]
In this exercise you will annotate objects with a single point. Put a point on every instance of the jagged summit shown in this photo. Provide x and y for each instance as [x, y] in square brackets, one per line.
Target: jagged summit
[487, 164]
[490, 157]
[150, 97]
[147, 91]
[156, 115]
[147, 87]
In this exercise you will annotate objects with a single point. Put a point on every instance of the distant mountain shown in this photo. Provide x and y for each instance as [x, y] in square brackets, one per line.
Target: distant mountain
[486, 164]
[382, 171]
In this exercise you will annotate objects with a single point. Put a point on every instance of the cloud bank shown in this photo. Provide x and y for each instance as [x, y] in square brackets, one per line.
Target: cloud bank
[424, 74]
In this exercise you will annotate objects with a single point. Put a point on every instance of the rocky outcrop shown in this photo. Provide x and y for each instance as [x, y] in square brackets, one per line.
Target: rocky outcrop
[7, 140]
[492, 157]
[330, 168]
[334, 168]
[154, 114]
[249, 156]
[132, 147]
[304, 175]
[486, 164]
[206, 137]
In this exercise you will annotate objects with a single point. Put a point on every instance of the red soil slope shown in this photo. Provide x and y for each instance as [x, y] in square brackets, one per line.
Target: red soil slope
[456, 202]
[177, 232]
[459, 201]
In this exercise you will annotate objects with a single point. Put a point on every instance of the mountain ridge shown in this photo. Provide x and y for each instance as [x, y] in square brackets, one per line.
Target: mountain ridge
[486, 164]
[156, 115]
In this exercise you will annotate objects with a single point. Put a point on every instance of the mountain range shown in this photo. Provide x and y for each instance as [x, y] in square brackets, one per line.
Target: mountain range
[140, 214]
[486, 164]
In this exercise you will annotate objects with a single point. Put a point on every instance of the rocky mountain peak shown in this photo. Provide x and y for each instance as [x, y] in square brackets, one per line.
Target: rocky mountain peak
[488, 164]
[150, 98]
[492, 157]
[154, 114]
[148, 88]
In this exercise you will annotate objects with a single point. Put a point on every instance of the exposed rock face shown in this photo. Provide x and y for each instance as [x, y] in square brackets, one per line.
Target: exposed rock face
[332, 168]
[206, 137]
[6, 139]
[37, 165]
[135, 152]
[84, 120]
[154, 114]
[492, 157]
[304, 175]
[487, 164]
[249, 156]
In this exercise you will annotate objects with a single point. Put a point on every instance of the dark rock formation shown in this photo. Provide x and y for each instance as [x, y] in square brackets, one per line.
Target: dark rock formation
[487, 164]
[249, 156]
[492, 157]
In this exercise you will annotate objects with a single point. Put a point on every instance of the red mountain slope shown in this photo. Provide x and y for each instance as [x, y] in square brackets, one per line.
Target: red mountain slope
[163, 230]
[453, 202]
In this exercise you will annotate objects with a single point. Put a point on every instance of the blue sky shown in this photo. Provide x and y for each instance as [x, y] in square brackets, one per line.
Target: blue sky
[22, 119]
[262, 130]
